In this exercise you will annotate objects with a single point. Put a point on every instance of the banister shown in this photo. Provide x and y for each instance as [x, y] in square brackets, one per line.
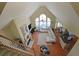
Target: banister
[15, 42]
[4, 35]
[26, 51]
[10, 39]
[15, 50]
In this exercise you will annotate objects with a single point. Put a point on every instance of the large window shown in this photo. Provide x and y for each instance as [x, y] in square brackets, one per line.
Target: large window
[42, 22]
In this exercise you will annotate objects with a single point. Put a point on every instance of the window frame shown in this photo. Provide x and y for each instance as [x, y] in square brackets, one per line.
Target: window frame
[46, 21]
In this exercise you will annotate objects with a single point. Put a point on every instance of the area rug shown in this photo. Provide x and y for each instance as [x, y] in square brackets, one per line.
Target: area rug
[42, 38]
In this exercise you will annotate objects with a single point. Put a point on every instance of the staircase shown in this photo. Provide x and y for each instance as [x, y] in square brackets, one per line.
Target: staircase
[11, 47]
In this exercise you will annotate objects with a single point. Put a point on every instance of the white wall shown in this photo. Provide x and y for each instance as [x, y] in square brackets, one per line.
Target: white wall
[10, 11]
[16, 11]
[66, 15]
[63, 12]
[19, 23]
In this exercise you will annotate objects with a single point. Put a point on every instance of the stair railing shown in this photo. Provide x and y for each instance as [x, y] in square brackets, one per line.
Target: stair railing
[14, 45]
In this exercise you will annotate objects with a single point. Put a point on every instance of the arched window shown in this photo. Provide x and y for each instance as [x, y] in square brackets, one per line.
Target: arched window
[42, 22]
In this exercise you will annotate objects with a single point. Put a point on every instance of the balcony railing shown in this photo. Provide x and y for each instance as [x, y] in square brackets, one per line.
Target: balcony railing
[14, 45]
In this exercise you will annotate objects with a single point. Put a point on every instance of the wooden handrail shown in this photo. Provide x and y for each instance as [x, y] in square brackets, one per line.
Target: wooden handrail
[16, 51]
[26, 51]
[2, 34]
[15, 42]
[11, 40]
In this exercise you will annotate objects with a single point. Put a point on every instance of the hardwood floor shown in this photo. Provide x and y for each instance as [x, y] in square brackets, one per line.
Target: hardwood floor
[55, 49]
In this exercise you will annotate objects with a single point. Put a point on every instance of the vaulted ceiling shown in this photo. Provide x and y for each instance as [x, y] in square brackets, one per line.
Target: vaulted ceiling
[43, 10]
[66, 12]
